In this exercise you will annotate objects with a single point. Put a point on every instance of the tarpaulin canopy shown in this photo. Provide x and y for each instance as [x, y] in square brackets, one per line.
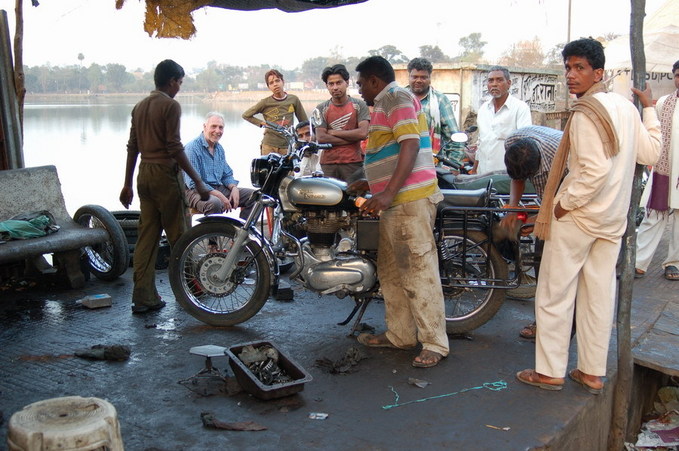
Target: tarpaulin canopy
[172, 18]
[661, 42]
[661, 48]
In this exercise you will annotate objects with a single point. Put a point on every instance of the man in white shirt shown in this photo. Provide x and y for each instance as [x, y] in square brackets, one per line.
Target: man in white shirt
[497, 119]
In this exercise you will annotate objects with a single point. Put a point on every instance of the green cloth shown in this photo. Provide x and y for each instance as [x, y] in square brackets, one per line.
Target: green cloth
[14, 229]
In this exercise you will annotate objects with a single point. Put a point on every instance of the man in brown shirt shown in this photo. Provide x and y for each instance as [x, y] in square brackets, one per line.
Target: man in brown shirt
[154, 133]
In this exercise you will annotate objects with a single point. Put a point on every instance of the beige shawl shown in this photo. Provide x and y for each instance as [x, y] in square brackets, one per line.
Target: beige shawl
[596, 112]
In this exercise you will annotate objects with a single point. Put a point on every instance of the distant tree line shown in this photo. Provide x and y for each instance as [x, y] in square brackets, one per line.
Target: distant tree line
[116, 78]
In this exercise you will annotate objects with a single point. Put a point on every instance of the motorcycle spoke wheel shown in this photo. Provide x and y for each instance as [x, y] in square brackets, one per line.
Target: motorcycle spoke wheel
[107, 260]
[472, 305]
[196, 259]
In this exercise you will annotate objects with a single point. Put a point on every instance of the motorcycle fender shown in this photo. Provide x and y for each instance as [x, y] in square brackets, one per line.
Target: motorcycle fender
[256, 236]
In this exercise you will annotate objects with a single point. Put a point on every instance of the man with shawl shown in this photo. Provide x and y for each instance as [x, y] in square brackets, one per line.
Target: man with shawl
[664, 191]
[582, 220]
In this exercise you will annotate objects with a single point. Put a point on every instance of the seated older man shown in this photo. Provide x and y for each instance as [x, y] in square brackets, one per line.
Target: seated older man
[207, 157]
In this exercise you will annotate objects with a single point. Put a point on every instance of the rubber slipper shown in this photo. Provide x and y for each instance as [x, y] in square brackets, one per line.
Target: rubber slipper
[576, 374]
[671, 273]
[638, 273]
[531, 377]
[434, 358]
[382, 341]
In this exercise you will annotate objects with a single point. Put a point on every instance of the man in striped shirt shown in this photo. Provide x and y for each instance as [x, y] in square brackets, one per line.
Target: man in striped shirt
[529, 152]
[401, 177]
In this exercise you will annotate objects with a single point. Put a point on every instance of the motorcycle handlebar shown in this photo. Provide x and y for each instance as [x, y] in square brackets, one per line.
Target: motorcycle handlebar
[447, 162]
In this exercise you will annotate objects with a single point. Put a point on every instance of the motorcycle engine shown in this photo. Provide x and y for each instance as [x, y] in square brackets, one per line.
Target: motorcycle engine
[330, 271]
[323, 204]
[323, 211]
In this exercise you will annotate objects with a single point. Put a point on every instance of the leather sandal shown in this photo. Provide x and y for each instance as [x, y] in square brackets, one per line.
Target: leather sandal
[427, 359]
[377, 341]
[577, 376]
[532, 377]
[529, 331]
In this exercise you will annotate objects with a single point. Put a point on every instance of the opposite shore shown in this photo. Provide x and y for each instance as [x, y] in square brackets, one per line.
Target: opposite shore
[250, 96]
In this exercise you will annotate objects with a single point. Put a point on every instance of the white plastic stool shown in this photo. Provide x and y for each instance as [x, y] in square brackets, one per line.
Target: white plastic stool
[72, 423]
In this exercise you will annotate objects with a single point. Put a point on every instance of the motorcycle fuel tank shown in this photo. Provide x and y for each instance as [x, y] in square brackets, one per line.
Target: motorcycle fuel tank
[316, 191]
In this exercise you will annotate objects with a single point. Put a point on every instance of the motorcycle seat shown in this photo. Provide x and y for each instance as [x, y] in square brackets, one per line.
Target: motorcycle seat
[463, 198]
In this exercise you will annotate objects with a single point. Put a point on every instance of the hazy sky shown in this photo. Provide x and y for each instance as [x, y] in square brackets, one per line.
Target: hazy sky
[57, 30]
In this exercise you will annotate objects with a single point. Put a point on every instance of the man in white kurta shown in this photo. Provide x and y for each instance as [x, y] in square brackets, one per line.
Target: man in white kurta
[663, 190]
[498, 118]
[586, 225]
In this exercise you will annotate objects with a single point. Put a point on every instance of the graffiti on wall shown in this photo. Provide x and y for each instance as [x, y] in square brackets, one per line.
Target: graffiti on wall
[537, 90]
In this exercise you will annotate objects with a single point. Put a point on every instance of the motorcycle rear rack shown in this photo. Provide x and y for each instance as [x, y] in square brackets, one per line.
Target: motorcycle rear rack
[461, 220]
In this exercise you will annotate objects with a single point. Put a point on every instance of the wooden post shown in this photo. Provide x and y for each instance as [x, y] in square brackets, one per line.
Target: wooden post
[11, 147]
[19, 84]
[623, 387]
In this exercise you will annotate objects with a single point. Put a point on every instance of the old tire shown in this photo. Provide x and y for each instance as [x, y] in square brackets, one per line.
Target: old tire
[110, 259]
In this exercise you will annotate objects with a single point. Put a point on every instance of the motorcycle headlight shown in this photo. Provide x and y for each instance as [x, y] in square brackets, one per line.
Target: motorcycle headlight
[261, 167]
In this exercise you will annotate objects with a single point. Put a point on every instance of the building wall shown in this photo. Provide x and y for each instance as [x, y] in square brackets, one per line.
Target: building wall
[466, 86]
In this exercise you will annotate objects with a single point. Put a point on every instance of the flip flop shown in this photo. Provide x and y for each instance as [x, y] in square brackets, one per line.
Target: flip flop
[671, 273]
[427, 355]
[639, 273]
[576, 374]
[531, 377]
[382, 341]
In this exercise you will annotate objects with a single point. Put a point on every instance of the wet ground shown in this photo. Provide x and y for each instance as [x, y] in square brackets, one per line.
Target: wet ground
[472, 402]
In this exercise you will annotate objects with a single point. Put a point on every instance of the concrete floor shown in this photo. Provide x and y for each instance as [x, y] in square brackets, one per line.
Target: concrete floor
[473, 401]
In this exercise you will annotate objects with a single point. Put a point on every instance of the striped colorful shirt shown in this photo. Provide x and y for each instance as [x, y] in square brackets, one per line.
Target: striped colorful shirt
[397, 115]
[548, 140]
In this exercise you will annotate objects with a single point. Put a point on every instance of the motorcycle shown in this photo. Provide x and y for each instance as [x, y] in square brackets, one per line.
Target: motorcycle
[223, 270]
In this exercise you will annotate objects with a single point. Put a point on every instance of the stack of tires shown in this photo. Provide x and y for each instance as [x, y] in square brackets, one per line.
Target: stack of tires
[129, 221]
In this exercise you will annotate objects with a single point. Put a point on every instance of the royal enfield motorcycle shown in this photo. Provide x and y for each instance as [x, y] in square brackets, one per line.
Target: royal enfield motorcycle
[223, 270]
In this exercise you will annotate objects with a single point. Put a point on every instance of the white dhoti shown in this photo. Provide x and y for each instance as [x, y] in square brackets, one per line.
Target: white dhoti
[649, 235]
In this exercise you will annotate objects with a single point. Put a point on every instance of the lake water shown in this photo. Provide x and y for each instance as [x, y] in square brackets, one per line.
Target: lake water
[87, 143]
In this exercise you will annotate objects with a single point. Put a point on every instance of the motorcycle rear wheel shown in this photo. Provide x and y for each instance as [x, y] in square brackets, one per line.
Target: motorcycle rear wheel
[470, 307]
[197, 255]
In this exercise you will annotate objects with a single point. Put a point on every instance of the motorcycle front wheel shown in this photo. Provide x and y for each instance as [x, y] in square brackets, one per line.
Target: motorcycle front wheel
[198, 255]
[473, 262]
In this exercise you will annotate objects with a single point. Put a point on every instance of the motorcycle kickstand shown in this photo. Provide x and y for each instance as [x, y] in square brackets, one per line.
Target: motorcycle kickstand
[362, 306]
